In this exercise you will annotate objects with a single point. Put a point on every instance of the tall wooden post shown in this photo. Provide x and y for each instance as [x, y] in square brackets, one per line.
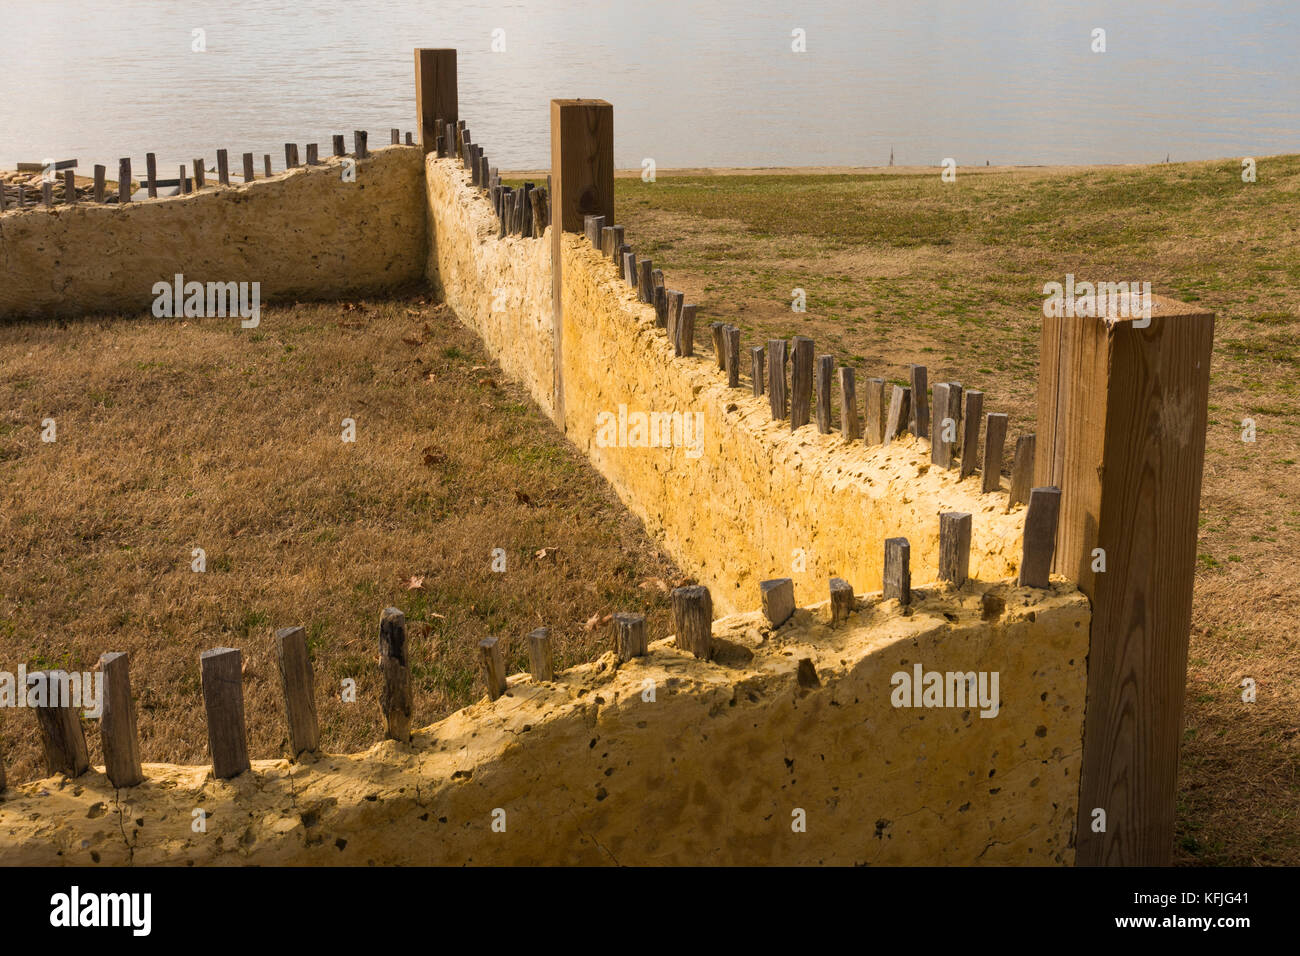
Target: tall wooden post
[435, 93]
[582, 184]
[1121, 431]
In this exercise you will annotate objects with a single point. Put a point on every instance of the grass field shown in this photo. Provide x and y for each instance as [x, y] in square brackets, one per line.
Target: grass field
[903, 268]
[174, 435]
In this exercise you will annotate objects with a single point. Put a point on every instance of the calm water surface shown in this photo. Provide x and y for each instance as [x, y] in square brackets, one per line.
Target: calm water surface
[716, 84]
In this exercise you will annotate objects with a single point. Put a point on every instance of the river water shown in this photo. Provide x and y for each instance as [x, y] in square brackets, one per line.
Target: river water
[716, 84]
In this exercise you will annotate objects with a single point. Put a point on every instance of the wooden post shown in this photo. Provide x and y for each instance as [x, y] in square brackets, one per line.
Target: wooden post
[199, 179]
[359, 137]
[731, 340]
[920, 419]
[841, 600]
[900, 407]
[1122, 407]
[299, 688]
[435, 93]
[617, 242]
[686, 330]
[182, 182]
[223, 167]
[69, 187]
[151, 174]
[266, 165]
[1022, 471]
[592, 226]
[776, 392]
[541, 214]
[540, 659]
[898, 570]
[409, 141]
[582, 184]
[47, 193]
[117, 728]
[995, 436]
[340, 148]
[661, 304]
[850, 425]
[945, 425]
[100, 176]
[492, 666]
[290, 155]
[629, 636]
[778, 600]
[719, 351]
[877, 412]
[313, 154]
[954, 546]
[223, 700]
[62, 738]
[395, 694]
[971, 432]
[395, 134]
[646, 286]
[124, 179]
[825, 369]
[756, 370]
[629, 268]
[801, 382]
[248, 167]
[693, 620]
[1040, 537]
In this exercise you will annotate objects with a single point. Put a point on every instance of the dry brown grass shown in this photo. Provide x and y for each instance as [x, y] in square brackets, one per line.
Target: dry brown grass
[175, 435]
[901, 269]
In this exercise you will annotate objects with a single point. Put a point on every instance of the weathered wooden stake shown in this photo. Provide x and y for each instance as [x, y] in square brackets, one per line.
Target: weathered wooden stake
[661, 305]
[686, 330]
[340, 148]
[395, 694]
[100, 177]
[731, 342]
[69, 187]
[540, 659]
[842, 600]
[62, 738]
[124, 179]
[877, 412]
[945, 426]
[850, 424]
[825, 369]
[223, 168]
[117, 728]
[756, 370]
[248, 167]
[1040, 537]
[954, 547]
[151, 174]
[900, 407]
[801, 382]
[920, 418]
[629, 636]
[223, 700]
[776, 388]
[200, 179]
[693, 620]
[898, 570]
[971, 432]
[359, 137]
[435, 93]
[1022, 471]
[719, 350]
[492, 666]
[299, 686]
[995, 436]
[645, 285]
[593, 226]
[778, 600]
[266, 165]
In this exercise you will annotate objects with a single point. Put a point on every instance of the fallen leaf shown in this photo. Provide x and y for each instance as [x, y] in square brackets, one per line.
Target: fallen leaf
[415, 584]
[441, 617]
[479, 368]
[544, 552]
[596, 620]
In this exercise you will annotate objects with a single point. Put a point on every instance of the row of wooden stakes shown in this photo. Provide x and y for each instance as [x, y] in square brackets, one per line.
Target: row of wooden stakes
[64, 742]
[185, 184]
[886, 415]
[521, 212]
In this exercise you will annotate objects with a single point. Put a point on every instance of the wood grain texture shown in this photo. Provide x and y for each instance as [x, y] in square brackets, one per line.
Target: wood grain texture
[223, 167]
[1122, 415]
[971, 416]
[299, 688]
[897, 577]
[1022, 471]
[825, 370]
[731, 342]
[944, 426]
[1040, 537]
[850, 424]
[435, 93]
[248, 167]
[776, 390]
[842, 600]
[954, 547]
[875, 425]
[629, 636]
[124, 180]
[756, 359]
[801, 382]
[719, 350]
[200, 174]
[223, 700]
[62, 739]
[117, 725]
[492, 666]
[395, 673]
[919, 421]
[101, 174]
[900, 407]
[778, 600]
[693, 619]
[151, 174]
[995, 437]
[541, 658]
[686, 329]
